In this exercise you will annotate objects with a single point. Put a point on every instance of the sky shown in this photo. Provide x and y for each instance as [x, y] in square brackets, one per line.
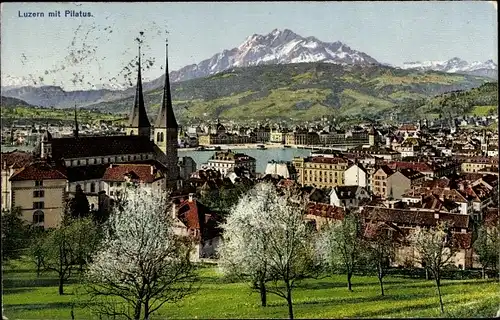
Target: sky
[76, 52]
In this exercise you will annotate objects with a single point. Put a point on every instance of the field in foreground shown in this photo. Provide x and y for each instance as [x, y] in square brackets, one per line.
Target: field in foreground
[29, 297]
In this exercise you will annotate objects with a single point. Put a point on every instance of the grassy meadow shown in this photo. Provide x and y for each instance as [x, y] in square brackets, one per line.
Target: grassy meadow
[27, 296]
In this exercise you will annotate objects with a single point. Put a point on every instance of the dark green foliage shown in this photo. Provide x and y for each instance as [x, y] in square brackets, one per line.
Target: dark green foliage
[15, 234]
[79, 205]
[63, 249]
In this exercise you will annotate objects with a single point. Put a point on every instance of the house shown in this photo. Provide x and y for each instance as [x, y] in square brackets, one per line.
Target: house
[348, 196]
[225, 160]
[356, 175]
[379, 181]
[401, 181]
[39, 189]
[195, 221]
[322, 172]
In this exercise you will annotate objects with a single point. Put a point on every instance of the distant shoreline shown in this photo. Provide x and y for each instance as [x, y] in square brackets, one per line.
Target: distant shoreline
[239, 146]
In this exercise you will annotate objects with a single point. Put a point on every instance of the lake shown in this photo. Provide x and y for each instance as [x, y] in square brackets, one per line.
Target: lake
[262, 157]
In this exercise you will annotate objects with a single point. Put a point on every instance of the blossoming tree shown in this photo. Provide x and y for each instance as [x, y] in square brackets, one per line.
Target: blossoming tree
[142, 264]
[266, 238]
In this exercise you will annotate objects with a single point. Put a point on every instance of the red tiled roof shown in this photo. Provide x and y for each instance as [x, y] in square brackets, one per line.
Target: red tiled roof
[325, 210]
[197, 216]
[136, 172]
[37, 171]
[415, 217]
[16, 159]
[417, 166]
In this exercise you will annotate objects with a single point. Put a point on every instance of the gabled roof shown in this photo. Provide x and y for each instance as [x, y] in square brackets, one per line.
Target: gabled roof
[135, 172]
[39, 170]
[197, 216]
[345, 192]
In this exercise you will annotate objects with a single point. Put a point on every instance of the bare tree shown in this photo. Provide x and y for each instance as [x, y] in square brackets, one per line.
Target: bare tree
[434, 247]
[338, 246]
[276, 238]
[142, 263]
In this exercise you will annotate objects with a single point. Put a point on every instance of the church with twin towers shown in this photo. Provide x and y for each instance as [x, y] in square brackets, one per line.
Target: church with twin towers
[142, 143]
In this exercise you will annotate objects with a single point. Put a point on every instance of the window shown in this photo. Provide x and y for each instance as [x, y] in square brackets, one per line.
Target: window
[38, 194]
[92, 187]
[131, 132]
[111, 184]
[109, 160]
[38, 216]
[77, 162]
[38, 205]
[111, 193]
[39, 183]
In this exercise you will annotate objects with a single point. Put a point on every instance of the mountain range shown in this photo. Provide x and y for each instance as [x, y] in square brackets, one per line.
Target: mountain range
[456, 65]
[279, 47]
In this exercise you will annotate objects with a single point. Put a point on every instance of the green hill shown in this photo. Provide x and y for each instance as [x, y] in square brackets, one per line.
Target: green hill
[480, 101]
[300, 91]
[16, 109]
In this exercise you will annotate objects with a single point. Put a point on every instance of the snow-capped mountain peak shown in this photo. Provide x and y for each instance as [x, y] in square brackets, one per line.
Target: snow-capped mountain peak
[277, 47]
[456, 65]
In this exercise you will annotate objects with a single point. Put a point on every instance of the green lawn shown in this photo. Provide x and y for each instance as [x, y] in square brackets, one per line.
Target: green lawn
[27, 297]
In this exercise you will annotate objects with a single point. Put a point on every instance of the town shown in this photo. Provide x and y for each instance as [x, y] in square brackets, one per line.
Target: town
[150, 215]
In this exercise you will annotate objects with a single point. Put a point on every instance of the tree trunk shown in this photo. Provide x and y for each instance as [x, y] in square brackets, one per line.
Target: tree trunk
[426, 274]
[61, 285]
[438, 284]
[263, 293]
[146, 309]
[289, 300]
[349, 284]
[483, 273]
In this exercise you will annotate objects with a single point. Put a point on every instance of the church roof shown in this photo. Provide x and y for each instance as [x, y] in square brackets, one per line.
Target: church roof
[100, 146]
[166, 116]
[138, 116]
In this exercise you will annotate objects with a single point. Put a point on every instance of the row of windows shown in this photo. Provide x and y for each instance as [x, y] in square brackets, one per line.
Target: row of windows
[315, 179]
[325, 166]
[321, 173]
[111, 159]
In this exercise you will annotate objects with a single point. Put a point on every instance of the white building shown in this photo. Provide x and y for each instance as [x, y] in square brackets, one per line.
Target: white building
[356, 175]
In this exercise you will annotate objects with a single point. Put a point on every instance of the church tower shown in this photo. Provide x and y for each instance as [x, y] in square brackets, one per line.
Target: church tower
[166, 130]
[138, 122]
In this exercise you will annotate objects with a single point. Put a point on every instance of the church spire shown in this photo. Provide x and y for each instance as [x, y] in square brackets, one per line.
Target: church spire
[75, 131]
[166, 116]
[139, 118]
